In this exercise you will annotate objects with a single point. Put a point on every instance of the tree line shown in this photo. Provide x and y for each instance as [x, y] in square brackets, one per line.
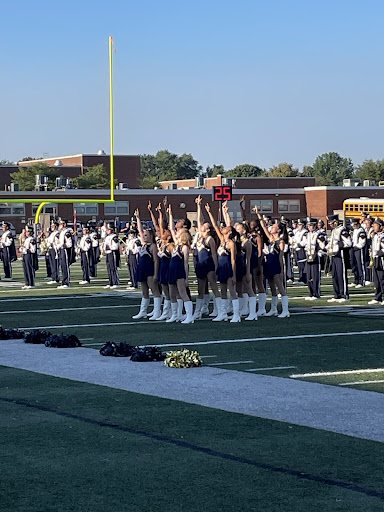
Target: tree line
[328, 169]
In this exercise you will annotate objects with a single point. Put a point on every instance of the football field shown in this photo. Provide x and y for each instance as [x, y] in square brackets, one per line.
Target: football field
[71, 445]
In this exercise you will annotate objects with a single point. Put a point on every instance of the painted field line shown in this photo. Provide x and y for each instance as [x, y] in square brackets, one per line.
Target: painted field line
[359, 382]
[344, 372]
[27, 311]
[231, 362]
[81, 296]
[271, 368]
[86, 339]
[299, 336]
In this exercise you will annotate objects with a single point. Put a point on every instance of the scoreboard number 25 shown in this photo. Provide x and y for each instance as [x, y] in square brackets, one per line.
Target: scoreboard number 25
[222, 193]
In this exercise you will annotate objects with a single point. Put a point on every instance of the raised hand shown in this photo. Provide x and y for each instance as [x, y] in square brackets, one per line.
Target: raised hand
[158, 207]
[149, 205]
[255, 209]
[198, 200]
[207, 207]
[136, 213]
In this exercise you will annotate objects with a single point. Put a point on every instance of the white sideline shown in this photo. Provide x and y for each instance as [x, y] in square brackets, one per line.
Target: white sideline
[359, 382]
[271, 368]
[230, 362]
[330, 374]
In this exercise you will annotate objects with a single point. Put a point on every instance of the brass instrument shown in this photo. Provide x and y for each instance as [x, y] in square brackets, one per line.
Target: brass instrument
[371, 265]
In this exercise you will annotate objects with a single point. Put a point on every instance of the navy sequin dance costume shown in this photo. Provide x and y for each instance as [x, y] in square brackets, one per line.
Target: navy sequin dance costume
[164, 262]
[205, 263]
[176, 265]
[271, 262]
[145, 265]
[241, 258]
[224, 264]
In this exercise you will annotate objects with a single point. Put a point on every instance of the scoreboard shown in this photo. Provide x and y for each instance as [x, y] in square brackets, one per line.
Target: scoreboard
[222, 193]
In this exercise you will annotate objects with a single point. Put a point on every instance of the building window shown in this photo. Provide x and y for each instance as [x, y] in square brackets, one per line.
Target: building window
[86, 208]
[117, 208]
[289, 205]
[12, 209]
[50, 208]
[263, 205]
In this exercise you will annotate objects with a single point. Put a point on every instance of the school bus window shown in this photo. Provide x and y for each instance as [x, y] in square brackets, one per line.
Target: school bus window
[371, 207]
[380, 207]
[375, 207]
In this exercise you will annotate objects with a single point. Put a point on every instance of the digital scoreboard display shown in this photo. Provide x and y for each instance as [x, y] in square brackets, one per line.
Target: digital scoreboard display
[222, 193]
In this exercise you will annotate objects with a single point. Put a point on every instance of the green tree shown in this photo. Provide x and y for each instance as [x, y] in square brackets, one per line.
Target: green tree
[282, 170]
[244, 171]
[167, 166]
[370, 170]
[25, 176]
[94, 177]
[330, 169]
[213, 171]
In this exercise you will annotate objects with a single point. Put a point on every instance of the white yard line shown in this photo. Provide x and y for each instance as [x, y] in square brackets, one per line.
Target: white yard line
[27, 312]
[359, 382]
[330, 374]
[230, 362]
[271, 368]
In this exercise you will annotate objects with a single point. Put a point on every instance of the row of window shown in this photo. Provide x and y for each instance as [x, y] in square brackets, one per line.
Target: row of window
[117, 208]
[284, 205]
[364, 207]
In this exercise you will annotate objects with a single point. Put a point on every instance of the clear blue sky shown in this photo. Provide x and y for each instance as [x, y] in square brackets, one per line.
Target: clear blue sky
[231, 82]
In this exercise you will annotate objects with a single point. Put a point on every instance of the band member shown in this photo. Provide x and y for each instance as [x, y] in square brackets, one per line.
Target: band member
[96, 253]
[165, 248]
[323, 232]
[8, 251]
[179, 271]
[226, 270]
[85, 246]
[147, 271]
[273, 266]
[206, 263]
[359, 240]
[53, 252]
[30, 264]
[132, 249]
[112, 256]
[378, 261]
[67, 255]
[338, 242]
[368, 228]
[314, 245]
[298, 246]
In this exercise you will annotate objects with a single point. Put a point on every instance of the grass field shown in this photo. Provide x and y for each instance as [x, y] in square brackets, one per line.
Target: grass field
[74, 446]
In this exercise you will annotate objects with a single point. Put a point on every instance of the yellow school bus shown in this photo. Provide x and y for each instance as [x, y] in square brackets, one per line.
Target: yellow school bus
[354, 207]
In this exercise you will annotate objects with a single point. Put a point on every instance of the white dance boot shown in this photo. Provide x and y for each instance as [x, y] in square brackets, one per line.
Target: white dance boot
[223, 307]
[197, 314]
[236, 311]
[262, 301]
[215, 311]
[244, 308]
[173, 318]
[189, 310]
[143, 309]
[166, 310]
[180, 316]
[284, 302]
[156, 308]
[273, 311]
[252, 309]
[205, 305]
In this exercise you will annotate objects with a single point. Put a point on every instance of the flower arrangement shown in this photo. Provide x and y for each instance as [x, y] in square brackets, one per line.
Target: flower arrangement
[183, 359]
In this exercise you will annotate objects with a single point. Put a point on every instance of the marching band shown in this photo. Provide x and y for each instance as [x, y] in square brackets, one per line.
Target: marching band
[238, 261]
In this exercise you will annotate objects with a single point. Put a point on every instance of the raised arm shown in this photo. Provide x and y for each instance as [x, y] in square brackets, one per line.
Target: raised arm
[227, 218]
[200, 220]
[213, 222]
[242, 208]
[139, 226]
[262, 223]
[156, 225]
[161, 220]
[171, 225]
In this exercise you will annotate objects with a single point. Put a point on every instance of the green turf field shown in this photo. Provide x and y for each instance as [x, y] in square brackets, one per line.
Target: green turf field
[70, 446]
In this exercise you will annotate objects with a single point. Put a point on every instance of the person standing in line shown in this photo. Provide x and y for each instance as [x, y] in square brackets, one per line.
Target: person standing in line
[112, 257]
[30, 264]
[66, 249]
[95, 252]
[8, 251]
[339, 241]
[53, 252]
[359, 240]
[298, 245]
[314, 245]
[132, 249]
[85, 246]
[378, 261]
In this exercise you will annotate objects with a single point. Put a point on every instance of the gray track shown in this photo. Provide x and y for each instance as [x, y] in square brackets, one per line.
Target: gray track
[346, 411]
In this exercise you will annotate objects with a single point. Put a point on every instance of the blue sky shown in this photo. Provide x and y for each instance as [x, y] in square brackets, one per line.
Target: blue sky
[231, 82]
